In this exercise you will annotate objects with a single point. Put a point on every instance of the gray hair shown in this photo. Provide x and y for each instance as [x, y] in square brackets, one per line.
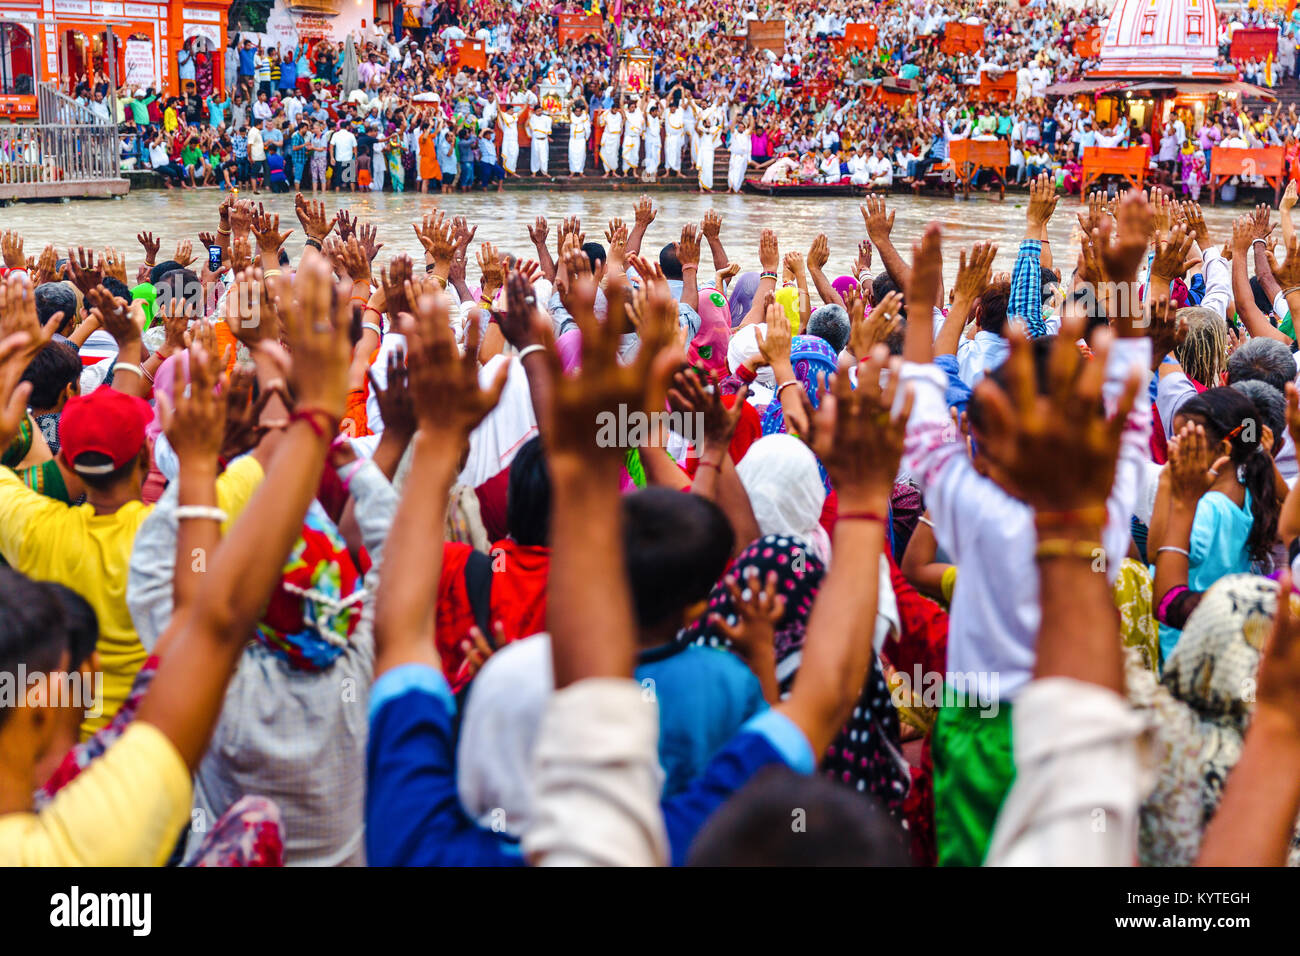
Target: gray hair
[830, 322]
[1262, 359]
[1268, 401]
[1202, 352]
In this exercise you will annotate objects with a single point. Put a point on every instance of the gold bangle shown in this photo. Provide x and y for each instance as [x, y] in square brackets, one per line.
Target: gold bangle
[270, 272]
[1067, 548]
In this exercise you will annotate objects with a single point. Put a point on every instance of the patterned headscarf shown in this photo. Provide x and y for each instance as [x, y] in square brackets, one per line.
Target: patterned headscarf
[866, 754]
[313, 613]
[813, 359]
[708, 350]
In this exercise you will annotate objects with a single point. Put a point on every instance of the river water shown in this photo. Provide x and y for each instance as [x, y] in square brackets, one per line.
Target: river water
[501, 218]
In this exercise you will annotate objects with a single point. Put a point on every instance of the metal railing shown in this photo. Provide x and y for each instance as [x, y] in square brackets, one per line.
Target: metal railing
[54, 153]
[70, 144]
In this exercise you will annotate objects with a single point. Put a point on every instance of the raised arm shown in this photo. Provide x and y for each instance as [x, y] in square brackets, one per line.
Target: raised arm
[879, 225]
[448, 405]
[189, 689]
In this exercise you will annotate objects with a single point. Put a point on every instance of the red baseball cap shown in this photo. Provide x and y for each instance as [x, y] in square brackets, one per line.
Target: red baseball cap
[106, 421]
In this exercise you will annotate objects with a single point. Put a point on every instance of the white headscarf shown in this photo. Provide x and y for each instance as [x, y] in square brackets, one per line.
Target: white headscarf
[498, 438]
[744, 345]
[785, 489]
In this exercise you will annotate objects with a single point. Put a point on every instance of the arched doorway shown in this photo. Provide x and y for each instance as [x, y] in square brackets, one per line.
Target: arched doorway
[17, 60]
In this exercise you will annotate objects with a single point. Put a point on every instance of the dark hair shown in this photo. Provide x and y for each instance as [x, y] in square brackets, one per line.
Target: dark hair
[1227, 412]
[1264, 359]
[676, 547]
[528, 496]
[51, 370]
[107, 480]
[161, 269]
[1048, 280]
[39, 621]
[840, 827]
[669, 262]
[881, 286]
[990, 309]
[52, 297]
[117, 287]
[595, 252]
[830, 322]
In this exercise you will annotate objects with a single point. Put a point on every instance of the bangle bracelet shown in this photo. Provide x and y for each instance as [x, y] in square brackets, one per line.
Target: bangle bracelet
[201, 512]
[768, 275]
[364, 300]
[1175, 550]
[128, 367]
[270, 272]
[777, 394]
[222, 232]
[862, 516]
[1068, 548]
[311, 416]
[1287, 292]
[314, 243]
[1175, 592]
[528, 350]
[373, 328]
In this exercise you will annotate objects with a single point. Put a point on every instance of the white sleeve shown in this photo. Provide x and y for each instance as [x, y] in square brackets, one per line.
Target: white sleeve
[1172, 393]
[597, 777]
[1218, 282]
[1134, 448]
[1079, 779]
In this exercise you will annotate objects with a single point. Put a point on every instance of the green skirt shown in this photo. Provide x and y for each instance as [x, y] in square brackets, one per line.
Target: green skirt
[973, 770]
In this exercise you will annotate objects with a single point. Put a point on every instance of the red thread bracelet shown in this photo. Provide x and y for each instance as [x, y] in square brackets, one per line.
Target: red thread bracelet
[862, 516]
[707, 464]
[309, 415]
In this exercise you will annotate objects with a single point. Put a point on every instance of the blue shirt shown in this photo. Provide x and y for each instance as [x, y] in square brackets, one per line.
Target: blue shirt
[246, 61]
[413, 811]
[705, 695]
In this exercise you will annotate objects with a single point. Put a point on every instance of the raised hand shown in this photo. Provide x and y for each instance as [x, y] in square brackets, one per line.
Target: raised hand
[392, 282]
[523, 324]
[315, 223]
[538, 231]
[347, 224]
[316, 315]
[11, 249]
[688, 247]
[266, 227]
[858, 437]
[396, 407]
[866, 332]
[603, 384]
[1057, 452]
[819, 253]
[448, 401]
[1193, 467]
[645, 212]
[19, 322]
[769, 253]
[115, 315]
[1042, 202]
[1288, 272]
[879, 224]
[184, 255]
[689, 394]
[151, 247]
[1171, 253]
[194, 420]
[710, 226]
[83, 270]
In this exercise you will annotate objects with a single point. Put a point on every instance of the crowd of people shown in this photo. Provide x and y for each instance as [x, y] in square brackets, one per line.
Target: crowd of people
[397, 110]
[582, 554]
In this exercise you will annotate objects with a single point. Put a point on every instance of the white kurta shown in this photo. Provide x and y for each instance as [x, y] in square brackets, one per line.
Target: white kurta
[579, 129]
[509, 140]
[740, 155]
[609, 141]
[539, 128]
[632, 130]
[692, 133]
[707, 139]
[674, 133]
[653, 146]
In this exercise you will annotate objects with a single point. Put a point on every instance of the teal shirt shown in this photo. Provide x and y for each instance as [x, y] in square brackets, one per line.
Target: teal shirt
[1218, 548]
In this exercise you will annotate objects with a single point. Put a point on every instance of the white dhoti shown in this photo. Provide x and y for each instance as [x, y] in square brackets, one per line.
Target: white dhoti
[653, 147]
[510, 152]
[577, 155]
[609, 151]
[541, 154]
[736, 171]
[695, 147]
[673, 152]
[631, 151]
[705, 164]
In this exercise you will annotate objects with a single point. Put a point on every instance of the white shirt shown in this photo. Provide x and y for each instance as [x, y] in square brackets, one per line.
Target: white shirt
[343, 144]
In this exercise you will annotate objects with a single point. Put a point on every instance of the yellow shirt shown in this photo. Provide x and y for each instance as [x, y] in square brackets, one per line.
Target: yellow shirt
[91, 554]
[126, 809]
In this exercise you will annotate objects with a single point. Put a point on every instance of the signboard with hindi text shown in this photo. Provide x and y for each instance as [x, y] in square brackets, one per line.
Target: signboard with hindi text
[138, 62]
